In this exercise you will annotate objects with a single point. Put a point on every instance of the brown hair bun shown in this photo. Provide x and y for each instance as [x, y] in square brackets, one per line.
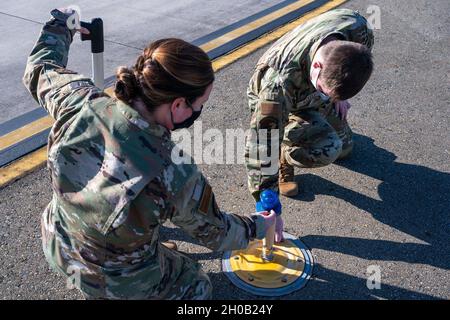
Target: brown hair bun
[126, 88]
[167, 69]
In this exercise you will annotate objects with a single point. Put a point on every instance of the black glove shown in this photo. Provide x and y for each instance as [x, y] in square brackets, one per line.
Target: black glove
[65, 19]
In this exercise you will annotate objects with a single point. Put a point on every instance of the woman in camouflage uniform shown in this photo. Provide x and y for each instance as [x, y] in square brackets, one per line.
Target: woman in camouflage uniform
[113, 179]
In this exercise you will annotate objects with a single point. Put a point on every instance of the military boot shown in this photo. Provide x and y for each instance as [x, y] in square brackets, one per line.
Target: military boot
[346, 152]
[170, 245]
[288, 187]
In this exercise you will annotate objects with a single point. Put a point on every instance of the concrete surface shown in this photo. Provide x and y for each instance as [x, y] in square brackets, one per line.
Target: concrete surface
[129, 26]
[387, 206]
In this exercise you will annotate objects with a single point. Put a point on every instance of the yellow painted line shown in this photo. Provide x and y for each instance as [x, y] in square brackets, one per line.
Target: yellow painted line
[38, 158]
[44, 123]
[26, 131]
[23, 166]
[227, 37]
[267, 38]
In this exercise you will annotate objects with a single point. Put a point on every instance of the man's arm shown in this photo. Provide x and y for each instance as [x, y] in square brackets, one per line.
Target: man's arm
[360, 32]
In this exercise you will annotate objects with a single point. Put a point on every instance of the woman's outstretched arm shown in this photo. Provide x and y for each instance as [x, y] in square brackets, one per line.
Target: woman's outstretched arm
[54, 87]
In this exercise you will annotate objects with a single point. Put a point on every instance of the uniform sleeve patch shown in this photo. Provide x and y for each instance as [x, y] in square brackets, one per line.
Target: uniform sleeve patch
[271, 109]
[206, 199]
[79, 84]
[197, 191]
[64, 71]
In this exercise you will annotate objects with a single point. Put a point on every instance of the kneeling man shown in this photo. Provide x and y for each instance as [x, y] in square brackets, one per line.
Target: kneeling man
[300, 87]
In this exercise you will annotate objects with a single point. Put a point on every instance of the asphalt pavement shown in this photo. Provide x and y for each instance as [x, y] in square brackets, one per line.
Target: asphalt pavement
[386, 206]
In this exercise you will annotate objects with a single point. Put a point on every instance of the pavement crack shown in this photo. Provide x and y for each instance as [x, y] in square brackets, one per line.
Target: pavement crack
[21, 18]
[125, 45]
[41, 23]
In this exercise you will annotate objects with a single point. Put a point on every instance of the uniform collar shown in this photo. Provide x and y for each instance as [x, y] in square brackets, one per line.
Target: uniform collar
[136, 119]
[315, 46]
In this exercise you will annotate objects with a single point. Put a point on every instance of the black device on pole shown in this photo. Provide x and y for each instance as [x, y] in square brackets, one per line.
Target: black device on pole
[96, 34]
[95, 28]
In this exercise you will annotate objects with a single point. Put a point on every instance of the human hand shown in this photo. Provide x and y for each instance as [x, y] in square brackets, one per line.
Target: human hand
[70, 18]
[342, 108]
[279, 229]
[269, 218]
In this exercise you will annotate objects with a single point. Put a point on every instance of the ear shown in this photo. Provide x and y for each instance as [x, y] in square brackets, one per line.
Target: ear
[317, 64]
[176, 104]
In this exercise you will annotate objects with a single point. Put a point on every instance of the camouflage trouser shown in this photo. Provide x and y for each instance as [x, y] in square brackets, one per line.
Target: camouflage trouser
[168, 275]
[310, 138]
[190, 283]
[317, 138]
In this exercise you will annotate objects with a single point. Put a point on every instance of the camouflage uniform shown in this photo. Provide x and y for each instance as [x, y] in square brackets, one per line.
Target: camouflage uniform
[114, 184]
[282, 97]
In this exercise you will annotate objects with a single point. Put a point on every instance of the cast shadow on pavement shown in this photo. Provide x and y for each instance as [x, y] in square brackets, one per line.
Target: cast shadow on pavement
[324, 284]
[414, 200]
[177, 234]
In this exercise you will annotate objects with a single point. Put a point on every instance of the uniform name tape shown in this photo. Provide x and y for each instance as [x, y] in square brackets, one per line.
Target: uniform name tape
[206, 199]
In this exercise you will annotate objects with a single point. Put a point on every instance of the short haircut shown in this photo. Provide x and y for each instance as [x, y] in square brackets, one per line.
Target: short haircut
[347, 67]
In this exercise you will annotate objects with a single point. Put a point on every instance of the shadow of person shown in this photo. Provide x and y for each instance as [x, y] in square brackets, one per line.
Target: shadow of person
[324, 284]
[414, 199]
[177, 234]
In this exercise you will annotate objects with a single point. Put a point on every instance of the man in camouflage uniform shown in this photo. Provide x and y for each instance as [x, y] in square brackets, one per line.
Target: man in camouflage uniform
[287, 93]
[114, 184]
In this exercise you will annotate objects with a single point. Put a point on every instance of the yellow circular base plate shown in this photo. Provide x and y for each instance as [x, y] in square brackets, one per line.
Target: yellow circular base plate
[286, 266]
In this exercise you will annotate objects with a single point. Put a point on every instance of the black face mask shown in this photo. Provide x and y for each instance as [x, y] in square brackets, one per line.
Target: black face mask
[189, 121]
